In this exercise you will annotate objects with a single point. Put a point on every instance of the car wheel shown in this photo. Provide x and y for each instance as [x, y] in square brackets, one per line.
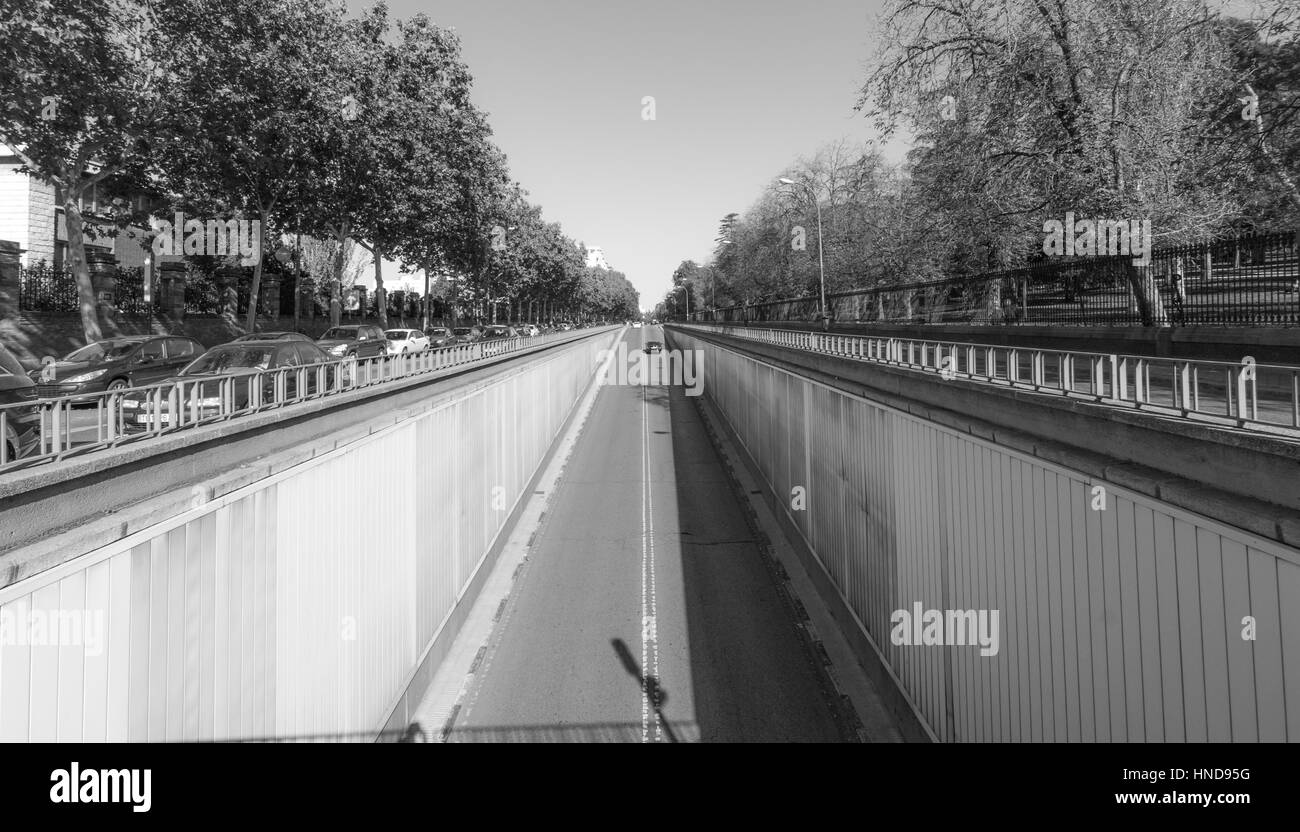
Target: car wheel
[118, 384]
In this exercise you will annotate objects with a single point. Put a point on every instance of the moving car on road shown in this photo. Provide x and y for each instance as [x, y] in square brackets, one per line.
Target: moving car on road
[654, 346]
[359, 340]
[116, 364]
[406, 340]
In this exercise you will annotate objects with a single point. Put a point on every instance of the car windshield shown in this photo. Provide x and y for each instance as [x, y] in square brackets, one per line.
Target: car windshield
[462, 330]
[395, 334]
[102, 351]
[437, 332]
[9, 365]
[230, 358]
[340, 333]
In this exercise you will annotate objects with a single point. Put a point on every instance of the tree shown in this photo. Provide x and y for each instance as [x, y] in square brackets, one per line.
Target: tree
[264, 93]
[1026, 109]
[454, 176]
[86, 96]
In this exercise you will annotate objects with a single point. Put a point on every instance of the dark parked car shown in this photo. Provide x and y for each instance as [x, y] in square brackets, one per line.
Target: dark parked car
[440, 336]
[273, 336]
[467, 334]
[494, 332]
[237, 360]
[115, 364]
[360, 340]
[22, 425]
[654, 346]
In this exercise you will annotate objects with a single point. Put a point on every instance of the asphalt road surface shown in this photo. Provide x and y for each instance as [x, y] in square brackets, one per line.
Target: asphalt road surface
[645, 611]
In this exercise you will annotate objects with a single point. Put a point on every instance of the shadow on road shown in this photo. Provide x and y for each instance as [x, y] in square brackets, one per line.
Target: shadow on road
[649, 686]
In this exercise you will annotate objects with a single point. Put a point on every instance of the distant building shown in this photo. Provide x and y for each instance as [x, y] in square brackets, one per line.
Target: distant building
[596, 258]
[31, 215]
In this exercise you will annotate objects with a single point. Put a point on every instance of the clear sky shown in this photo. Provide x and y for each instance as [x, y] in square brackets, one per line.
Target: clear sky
[741, 88]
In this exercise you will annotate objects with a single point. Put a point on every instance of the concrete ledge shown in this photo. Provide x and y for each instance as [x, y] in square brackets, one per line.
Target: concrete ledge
[1268, 345]
[1241, 479]
[53, 512]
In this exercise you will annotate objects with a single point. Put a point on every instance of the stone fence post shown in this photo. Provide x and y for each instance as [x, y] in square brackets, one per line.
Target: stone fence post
[102, 266]
[172, 277]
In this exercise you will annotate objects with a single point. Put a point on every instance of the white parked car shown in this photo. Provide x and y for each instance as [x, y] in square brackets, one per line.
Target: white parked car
[406, 340]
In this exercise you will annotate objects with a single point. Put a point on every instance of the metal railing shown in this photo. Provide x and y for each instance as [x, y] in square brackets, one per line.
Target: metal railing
[50, 429]
[1247, 395]
[1246, 281]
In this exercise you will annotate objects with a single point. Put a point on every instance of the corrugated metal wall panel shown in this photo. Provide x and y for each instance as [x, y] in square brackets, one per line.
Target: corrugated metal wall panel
[1123, 624]
[299, 605]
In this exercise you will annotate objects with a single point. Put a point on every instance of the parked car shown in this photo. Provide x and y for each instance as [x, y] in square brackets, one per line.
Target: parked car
[532, 329]
[359, 340]
[22, 428]
[237, 360]
[406, 340]
[440, 336]
[496, 332]
[273, 336]
[524, 331]
[467, 334]
[116, 364]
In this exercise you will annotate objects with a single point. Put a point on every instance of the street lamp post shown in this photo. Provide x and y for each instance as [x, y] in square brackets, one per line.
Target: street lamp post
[821, 262]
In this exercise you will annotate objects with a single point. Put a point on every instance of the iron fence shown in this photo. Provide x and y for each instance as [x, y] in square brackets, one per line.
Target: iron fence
[1263, 398]
[1247, 281]
[46, 289]
[129, 295]
[49, 429]
[201, 297]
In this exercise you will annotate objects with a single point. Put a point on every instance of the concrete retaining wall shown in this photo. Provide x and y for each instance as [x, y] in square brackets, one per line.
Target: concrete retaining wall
[1118, 621]
[315, 598]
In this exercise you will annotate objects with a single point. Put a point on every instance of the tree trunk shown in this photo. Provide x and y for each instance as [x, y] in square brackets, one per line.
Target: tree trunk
[336, 284]
[1141, 279]
[381, 297]
[255, 289]
[86, 299]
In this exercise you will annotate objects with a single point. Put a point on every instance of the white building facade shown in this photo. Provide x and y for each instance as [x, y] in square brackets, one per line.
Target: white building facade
[31, 217]
[596, 258]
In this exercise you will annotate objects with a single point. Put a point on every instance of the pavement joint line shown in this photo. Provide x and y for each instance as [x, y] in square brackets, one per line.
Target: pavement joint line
[451, 721]
[478, 658]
